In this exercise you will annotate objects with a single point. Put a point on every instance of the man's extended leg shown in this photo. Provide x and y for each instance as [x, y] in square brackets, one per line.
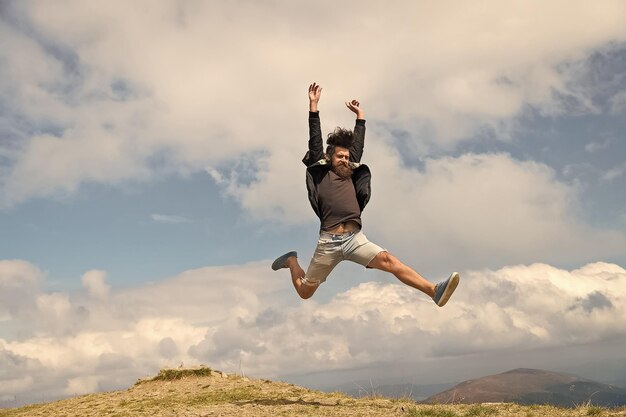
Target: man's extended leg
[304, 289]
[389, 263]
[327, 255]
[440, 293]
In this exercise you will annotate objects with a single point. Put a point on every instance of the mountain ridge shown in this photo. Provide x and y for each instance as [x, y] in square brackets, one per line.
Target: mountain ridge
[532, 386]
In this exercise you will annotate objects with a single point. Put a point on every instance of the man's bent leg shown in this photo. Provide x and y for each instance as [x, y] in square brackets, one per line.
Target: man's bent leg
[303, 289]
[389, 263]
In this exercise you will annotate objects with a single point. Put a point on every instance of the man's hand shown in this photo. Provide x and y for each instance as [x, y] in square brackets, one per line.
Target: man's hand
[354, 106]
[315, 91]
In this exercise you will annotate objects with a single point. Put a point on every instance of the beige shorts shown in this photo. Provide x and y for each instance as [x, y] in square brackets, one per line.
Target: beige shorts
[332, 249]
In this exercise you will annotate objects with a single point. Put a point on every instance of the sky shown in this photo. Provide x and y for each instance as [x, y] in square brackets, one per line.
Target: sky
[150, 172]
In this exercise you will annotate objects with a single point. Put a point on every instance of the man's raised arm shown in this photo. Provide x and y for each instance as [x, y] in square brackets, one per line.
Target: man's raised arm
[316, 144]
[358, 143]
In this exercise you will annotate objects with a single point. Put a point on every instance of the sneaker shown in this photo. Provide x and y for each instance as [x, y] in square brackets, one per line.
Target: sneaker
[444, 289]
[281, 261]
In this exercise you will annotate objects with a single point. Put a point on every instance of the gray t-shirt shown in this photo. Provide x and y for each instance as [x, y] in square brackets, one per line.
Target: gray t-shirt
[337, 201]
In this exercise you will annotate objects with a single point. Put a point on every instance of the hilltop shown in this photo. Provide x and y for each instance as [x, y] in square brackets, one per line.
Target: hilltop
[202, 392]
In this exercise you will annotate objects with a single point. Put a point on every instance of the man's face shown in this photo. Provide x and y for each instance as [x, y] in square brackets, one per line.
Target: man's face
[339, 161]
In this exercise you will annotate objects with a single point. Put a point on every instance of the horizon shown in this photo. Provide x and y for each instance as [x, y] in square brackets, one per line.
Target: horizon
[369, 389]
[199, 390]
[150, 172]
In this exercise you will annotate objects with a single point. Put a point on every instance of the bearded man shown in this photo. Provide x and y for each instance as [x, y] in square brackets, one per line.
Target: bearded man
[339, 189]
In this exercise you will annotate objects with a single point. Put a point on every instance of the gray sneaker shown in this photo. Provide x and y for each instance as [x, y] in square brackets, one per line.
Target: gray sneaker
[444, 289]
[281, 261]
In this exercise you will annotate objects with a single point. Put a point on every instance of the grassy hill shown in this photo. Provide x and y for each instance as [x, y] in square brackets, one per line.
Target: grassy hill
[202, 392]
[533, 386]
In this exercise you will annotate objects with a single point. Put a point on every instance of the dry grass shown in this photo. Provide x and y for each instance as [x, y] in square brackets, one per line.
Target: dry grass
[202, 392]
[175, 374]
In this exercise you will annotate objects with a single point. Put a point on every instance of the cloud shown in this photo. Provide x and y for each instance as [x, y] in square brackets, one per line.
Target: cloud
[19, 274]
[598, 145]
[595, 300]
[52, 165]
[468, 211]
[123, 92]
[614, 173]
[474, 209]
[19, 282]
[81, 386]
[113, 93]
[95, 283]
[164, 218]
[248, 316]
[618, 103]
[64, 338]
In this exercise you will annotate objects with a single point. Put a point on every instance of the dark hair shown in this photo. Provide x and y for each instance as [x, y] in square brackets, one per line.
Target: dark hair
[339, 137]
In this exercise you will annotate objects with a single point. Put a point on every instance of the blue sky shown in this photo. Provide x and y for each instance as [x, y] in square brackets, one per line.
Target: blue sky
[150, 171]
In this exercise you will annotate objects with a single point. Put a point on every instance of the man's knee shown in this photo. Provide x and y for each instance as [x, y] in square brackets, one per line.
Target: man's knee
[306, 291]
[307, 288]
[385, 261]
[306, 294]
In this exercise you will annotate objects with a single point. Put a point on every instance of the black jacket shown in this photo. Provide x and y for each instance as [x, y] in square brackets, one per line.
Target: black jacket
[318, 166]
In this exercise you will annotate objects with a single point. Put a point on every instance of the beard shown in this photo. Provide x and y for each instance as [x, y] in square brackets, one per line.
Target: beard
[342, 170]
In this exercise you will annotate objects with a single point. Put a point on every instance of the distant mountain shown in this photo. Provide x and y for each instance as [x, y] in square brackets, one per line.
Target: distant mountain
[533, 386]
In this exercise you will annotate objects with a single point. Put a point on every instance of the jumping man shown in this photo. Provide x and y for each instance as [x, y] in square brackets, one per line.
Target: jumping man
[339, 188]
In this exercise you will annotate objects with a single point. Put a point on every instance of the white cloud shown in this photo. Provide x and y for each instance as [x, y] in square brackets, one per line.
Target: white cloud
[614, 173]
[618, 103]
[468, 211]
[165, 218]
[19, 283]
[54, 306]
[278, 191]
[598, 145]
[215, 174]
[160, 92]
[95, 283]
[19, 274]
[54, 165]
[133, 91]
[481, 210]
[81, 385]
[248, 315]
